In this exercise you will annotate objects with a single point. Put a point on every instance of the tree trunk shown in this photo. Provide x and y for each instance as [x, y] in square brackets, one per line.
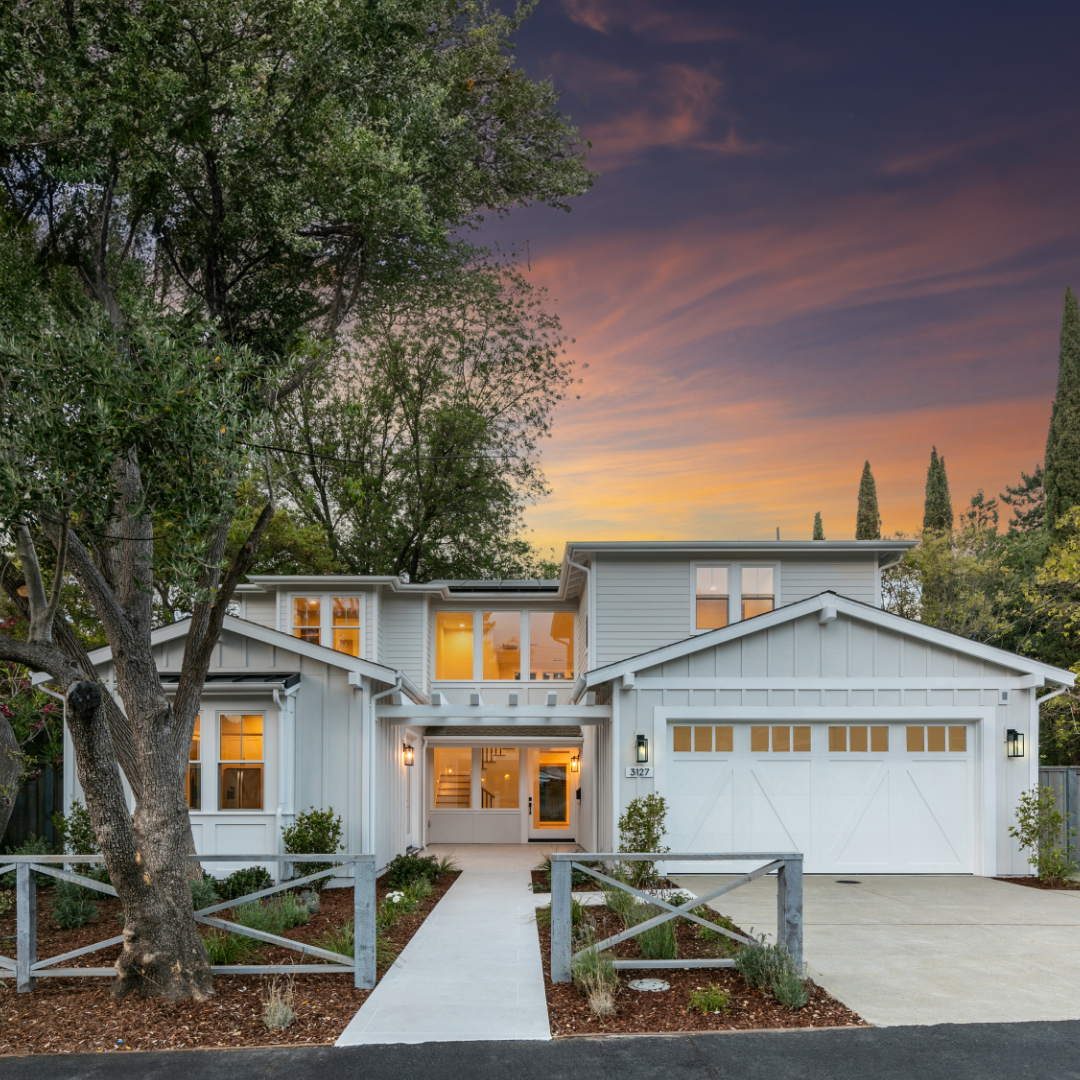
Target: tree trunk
[11, 769]
[163, 953]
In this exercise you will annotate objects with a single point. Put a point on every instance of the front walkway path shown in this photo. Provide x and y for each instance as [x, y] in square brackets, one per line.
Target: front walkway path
[473, 971]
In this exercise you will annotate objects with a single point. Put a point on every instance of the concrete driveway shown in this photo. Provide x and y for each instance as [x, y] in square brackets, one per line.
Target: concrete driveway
[929, 950]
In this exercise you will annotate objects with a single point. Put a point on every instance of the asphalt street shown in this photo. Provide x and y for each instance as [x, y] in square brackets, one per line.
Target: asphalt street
[941, 1052]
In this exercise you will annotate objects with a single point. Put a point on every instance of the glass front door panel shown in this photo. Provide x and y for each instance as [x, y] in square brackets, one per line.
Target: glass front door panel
[552, 791]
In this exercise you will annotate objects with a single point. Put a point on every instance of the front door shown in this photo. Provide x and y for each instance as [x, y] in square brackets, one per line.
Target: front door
[552, 794]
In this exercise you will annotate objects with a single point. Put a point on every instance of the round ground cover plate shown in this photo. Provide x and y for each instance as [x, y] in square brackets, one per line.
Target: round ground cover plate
[650, 984]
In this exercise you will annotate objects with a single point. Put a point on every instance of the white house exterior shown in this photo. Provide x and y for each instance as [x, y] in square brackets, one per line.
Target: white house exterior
[758, 686]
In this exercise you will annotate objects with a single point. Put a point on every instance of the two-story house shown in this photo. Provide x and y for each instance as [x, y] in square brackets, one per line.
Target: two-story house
[758, 686]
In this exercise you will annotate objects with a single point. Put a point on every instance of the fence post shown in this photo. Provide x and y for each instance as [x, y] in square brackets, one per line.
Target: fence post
[789, 904]
[561, 922]
[26, 927]
[364, 922]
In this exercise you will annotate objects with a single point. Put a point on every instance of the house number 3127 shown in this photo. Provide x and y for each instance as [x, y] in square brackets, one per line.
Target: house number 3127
[637, 771]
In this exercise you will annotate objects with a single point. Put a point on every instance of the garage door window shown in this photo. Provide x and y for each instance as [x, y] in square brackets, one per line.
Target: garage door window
[783, 740]
[703, 740]
[934, 739]
[858, 740]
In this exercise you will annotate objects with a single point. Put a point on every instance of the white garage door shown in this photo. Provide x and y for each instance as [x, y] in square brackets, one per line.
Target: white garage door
[888, 798]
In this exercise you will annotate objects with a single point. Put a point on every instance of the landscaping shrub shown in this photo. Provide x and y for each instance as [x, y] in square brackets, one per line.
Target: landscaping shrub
[394, 905]
[314, 832]
[7, 901]
[710, 999]
[721, 943]
[74, 833]
[418, 889]
[272, 915]
[658, 942]
[771, 968]
[224, 947]
[621, 902]
[405, 869]
[1038, 828]
[243, 882]
[310, 899]
[578, 914]
[342, 939]
[593, 973]
[34, 845]
[72, 905]
[447, 864]
[203, 892]
[642, 829]
[577, 877]
[278, 1000]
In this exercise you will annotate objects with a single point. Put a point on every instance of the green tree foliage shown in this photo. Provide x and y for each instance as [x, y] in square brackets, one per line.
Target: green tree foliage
[867, 519]
[1027, 502]
[1061, 475]
[641, 829]
[417, 452]
[819, 529]
[937, 511]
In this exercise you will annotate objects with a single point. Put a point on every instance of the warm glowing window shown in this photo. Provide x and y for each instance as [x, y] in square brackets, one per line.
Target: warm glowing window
[498, 778]
[758, 595]
[934, 739]
[347, 624]
[703, 740]
[194, 772]
[454, 645]
[712, 597]
[453, 778]
[502, 644]
[784, 740]
[241, 762]
[307, 618]
[551, 645]
[875, 739]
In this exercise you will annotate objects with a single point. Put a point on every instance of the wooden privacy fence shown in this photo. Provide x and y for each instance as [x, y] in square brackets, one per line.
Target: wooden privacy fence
[789, 903]
[1064, 781]
[27, 969]
[35, 805]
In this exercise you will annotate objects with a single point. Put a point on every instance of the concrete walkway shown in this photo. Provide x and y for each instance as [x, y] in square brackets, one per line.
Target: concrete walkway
[930, 950]
[473, 970]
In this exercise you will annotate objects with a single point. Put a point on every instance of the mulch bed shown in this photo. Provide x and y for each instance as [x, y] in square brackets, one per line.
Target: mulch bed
[1036, 883]
[79, 1016]
[668, 1011]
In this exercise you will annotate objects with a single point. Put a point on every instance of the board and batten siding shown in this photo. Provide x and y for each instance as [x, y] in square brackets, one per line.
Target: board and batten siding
[804, 577]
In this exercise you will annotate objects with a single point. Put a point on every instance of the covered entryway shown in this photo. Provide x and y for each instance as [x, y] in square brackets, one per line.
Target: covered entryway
[887, 798]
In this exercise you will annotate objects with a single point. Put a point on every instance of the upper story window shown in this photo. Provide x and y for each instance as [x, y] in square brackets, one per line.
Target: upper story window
[712, 597]
[194, 771]
[241, 758]
[758, 595]
[508, 640]
[341, 632]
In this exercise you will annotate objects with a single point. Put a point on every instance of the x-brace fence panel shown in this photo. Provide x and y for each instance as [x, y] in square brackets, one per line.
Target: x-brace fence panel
[27, 968]
[788, 867]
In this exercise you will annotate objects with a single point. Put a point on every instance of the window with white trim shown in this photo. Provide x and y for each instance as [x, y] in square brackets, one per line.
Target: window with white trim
[241, 761]
[326, 619]
[758, 590]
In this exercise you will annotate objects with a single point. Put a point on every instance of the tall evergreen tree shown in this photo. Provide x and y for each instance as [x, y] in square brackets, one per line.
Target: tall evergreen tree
[937, 510]
[819, 529]
[1061, 474]
[868, 520]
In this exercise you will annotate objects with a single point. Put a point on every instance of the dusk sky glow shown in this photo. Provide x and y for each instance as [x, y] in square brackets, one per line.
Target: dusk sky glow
[821, 233]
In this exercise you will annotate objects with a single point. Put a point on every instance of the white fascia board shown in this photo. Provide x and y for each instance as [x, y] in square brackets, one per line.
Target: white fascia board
[507, 715]
[325, 582]
[256, 632]
[851, 608]
[680, 546]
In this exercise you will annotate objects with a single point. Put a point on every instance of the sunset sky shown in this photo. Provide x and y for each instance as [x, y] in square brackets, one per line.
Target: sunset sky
[821, 233]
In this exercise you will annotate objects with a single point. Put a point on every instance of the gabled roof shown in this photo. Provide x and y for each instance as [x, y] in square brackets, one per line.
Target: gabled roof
[379, 672]
[842, 605]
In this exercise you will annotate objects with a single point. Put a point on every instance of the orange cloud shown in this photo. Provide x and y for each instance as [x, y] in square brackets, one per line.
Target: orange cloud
[671, 24]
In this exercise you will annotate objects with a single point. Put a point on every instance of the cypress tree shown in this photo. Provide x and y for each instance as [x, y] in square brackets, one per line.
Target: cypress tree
[937, 510]
[868, 520]
[1061, 473]
[819, 530]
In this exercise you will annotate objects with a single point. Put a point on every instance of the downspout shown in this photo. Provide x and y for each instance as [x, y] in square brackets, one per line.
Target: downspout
[367, 823]
[1047, 697]
[590, 611]
[279, 814]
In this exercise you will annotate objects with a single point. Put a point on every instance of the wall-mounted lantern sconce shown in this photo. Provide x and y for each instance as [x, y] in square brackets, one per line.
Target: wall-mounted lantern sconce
[406, 753]
[642, 749]
[1014, 740]
[574, 763]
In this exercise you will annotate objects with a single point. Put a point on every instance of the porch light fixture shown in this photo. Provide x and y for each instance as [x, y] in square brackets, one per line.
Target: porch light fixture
[1014, 740]
[406, 753]
[642, 749]
[573, 763]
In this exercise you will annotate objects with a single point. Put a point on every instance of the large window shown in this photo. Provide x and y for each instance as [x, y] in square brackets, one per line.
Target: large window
[194, 771]
[551, 645]
[499, 778]
[343, 631]
[453, 777]
[758, 595]
[454, 645]
[241, 762]
[347, 625]
[307, 618]
[502, 644]
[712, 597]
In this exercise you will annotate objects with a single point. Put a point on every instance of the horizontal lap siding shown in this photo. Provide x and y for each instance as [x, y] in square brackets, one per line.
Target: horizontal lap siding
[403, 626]
[640, 605]
[261, 608]
[800, 578]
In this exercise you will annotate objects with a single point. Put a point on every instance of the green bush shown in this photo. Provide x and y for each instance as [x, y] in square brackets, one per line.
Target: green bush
[593, 973]
[405, 869]
[272, 915]
[224, 947]
[7, 901]
[75, 835]
[447, 864]
[34, 845]
[314, 832]
[242, 882]
[710, 999]
[72, 905]
[342, 939]
[310, 899]
[577, 877]
[771, 968]
[578, 914]
[417, 890]
[642, 829]
[203, 892]
[658, 942]
[1038, 828]
[722, 944]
